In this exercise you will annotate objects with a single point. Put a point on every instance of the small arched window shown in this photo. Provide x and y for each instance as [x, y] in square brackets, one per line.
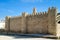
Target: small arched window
[59, 22]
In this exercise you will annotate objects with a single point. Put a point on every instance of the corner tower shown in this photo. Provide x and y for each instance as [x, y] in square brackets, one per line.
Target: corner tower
[7, 23]
[52, 13]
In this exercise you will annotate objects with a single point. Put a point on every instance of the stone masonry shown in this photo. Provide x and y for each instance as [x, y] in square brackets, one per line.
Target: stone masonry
[43, 22]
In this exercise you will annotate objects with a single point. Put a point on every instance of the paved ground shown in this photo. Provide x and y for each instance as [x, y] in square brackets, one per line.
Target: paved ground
[6, 37]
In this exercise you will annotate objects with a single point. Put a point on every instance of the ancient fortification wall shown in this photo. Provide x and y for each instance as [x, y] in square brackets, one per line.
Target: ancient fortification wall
[37, 23]
[52, 14]
[43, 22]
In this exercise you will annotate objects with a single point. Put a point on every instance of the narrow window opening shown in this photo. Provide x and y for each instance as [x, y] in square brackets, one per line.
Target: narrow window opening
[59, 22]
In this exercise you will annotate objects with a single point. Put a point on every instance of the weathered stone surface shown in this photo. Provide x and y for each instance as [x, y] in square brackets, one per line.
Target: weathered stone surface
[43, 22]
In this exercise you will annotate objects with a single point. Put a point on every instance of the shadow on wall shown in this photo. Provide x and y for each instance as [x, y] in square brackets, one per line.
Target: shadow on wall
[15, 36]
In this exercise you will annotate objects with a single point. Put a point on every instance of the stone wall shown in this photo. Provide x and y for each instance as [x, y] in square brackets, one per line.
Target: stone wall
[52, 14]
[29, 23]
[43, 22]
[37, 23]
[16, 24]
[7, 23]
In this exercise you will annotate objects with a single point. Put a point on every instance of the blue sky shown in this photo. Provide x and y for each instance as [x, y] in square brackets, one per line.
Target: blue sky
[16, 7]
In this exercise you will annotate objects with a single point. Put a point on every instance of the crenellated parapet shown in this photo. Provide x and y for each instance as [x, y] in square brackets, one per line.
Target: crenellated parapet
[35, 13]
[24, 14]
